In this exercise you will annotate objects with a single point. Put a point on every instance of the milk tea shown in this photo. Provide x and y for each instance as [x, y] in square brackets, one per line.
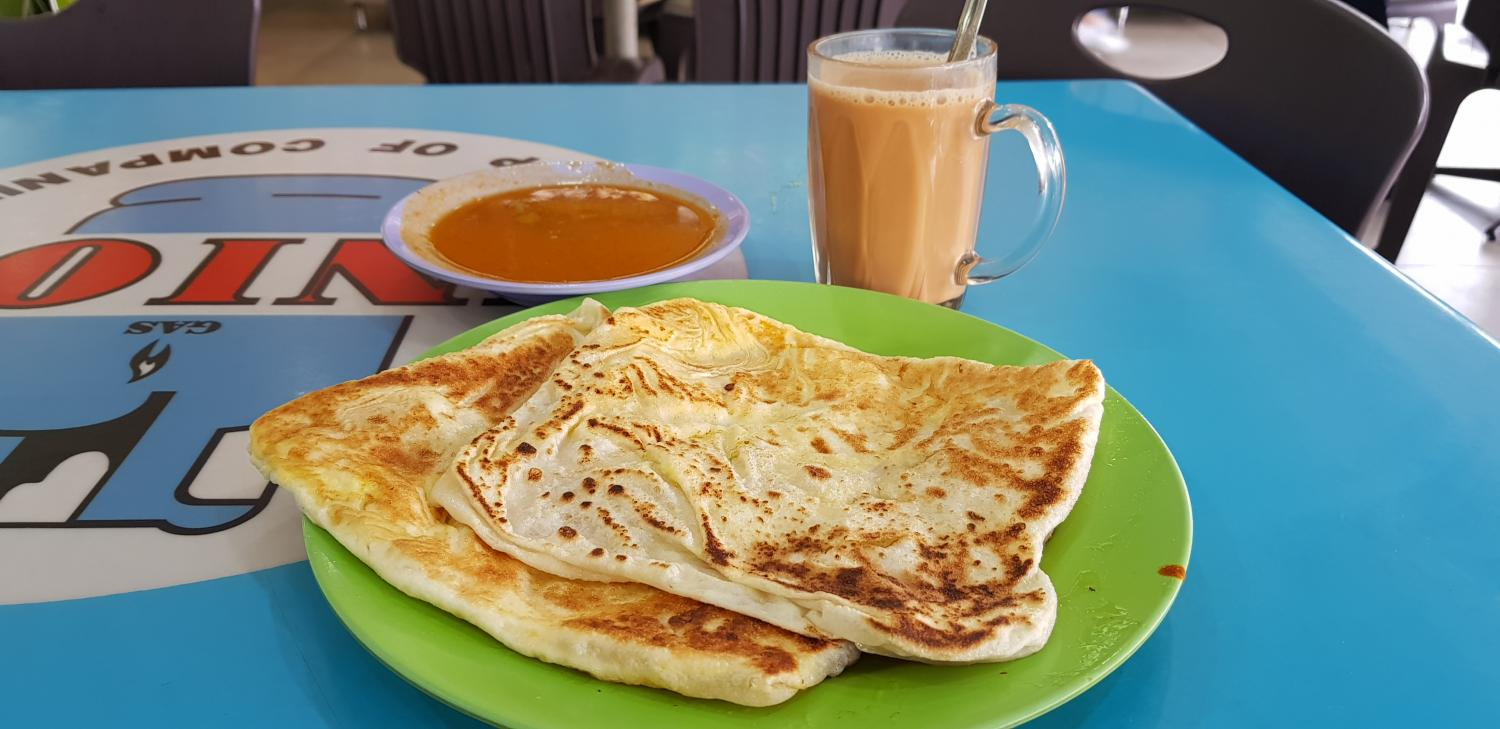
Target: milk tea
[896, 170]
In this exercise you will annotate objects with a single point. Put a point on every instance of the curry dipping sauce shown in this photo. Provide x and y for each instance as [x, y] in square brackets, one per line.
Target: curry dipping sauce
[569, 233]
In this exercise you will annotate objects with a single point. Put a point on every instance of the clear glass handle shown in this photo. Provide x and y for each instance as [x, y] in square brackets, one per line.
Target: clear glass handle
[1052, 175]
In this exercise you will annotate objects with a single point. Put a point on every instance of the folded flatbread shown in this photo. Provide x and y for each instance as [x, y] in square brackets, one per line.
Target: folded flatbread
[359, 456]
[721, 455]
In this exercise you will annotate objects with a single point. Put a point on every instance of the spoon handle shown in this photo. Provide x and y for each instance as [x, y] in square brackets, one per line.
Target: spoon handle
[968, 30]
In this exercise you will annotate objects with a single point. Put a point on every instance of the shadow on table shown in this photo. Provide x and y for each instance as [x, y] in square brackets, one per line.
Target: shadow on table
[1143, 683]
[348, 685]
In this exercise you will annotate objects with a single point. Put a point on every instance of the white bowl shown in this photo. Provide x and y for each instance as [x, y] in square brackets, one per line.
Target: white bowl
[485, 183]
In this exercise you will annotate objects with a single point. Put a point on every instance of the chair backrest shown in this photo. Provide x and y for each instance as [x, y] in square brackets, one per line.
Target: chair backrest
[1438, 11]
[118, 43]
[1482, 18]
[738, 41]
[1313, 94]
[495, 41]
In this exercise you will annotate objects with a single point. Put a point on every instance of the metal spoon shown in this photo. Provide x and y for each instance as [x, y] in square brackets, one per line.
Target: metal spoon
[968, 30]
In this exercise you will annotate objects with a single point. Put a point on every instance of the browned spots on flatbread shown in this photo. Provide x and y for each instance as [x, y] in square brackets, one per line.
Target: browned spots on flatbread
[534, 474]
[596, 552]
[987, 445]
[715, 549]
[649, 515]
[921, 633]
[663, 384]
[713, 631]
[388, 451]
[609, 521]
[570, 407]
[492, 383]
[619, 430]
[420, 459]
[650, 430]
[391, 473]
[616, 489]
[589, 484]
[855, 441]
[567, 532]
[639, 379]
[566, 496]
[525, 449]
[942, 578]
[1016, 568]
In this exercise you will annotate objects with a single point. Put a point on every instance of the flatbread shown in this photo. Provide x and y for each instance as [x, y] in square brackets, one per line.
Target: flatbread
[721, 455]
[359, 456]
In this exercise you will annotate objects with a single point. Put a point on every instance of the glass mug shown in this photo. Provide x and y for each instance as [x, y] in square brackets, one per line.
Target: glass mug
[897, 146]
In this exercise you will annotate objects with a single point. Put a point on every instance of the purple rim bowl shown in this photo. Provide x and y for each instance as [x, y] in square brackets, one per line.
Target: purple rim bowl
[736, 219]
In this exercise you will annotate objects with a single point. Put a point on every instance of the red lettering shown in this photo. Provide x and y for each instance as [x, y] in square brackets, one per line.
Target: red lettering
[65, 272]
[36, 183]
[306, 145]
[377, 273]
[145, 160]
[93, 170]
[183, 155]
[225, 273]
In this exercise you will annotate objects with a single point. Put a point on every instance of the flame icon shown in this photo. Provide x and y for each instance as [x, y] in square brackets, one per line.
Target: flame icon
[143, 364]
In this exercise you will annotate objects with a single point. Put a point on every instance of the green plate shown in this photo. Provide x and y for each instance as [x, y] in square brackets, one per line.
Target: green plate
[1132, 520]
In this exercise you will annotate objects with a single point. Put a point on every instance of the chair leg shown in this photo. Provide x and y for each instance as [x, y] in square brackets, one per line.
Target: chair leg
[1448, 85]
[1473, 173]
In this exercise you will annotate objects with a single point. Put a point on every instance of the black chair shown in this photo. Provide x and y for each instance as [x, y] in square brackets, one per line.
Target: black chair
[740, 41]
[1313, 94]
[508, 41]
[1438, 11]
[499, 41]
[1374, 9]
[118, 43]
[1465, 59]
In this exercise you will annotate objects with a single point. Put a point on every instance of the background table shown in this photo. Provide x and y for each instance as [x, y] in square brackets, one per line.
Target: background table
[1337, 426]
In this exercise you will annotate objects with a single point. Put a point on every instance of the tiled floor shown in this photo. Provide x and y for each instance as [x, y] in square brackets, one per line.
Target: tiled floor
[315, 42]
[1446, 252]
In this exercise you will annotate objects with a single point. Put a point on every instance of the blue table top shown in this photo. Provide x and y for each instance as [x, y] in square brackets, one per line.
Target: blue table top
[1335, 423]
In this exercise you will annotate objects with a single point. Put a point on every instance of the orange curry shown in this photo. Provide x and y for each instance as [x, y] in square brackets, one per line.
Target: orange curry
[565, 233]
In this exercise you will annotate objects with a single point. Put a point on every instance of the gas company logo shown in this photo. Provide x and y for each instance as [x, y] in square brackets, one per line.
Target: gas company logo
[156, 299]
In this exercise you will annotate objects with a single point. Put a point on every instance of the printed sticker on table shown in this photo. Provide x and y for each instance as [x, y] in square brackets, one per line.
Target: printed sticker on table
[157, 298]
